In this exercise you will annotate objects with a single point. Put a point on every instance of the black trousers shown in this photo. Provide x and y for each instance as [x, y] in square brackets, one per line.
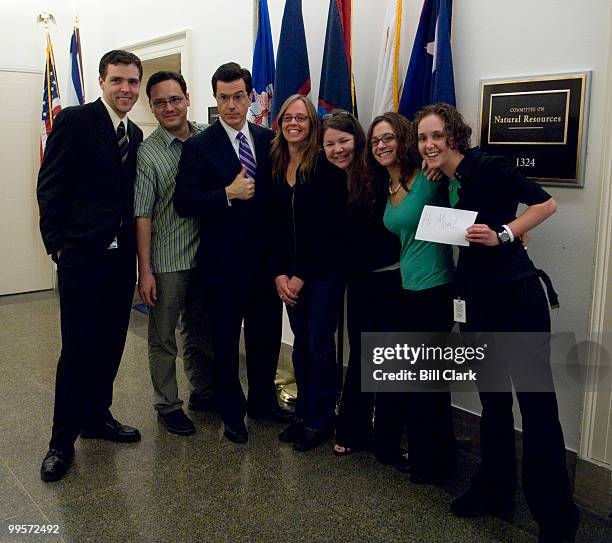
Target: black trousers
[96, 287]
[374, 304]
[427, 415]
[519, 307]
[258, 304]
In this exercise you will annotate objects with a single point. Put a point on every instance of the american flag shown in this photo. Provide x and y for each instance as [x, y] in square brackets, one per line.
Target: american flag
[51, 99]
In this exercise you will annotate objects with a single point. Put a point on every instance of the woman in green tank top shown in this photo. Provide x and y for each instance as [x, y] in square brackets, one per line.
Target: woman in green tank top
[427, 272]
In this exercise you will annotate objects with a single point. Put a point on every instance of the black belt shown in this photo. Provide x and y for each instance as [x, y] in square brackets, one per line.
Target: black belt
[553, 298]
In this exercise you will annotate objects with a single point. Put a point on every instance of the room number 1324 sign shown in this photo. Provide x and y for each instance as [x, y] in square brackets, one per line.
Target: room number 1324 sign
[539, 123]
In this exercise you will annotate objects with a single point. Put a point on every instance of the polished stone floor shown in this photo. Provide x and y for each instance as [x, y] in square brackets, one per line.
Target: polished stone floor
[200, 488]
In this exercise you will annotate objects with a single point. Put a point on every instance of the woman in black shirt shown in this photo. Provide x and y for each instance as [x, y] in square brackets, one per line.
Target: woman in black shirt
[310, 205]
[374, 287]
[502, 293]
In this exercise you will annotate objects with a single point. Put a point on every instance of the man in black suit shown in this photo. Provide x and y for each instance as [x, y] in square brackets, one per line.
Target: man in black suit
[86, 199]
[225, 179]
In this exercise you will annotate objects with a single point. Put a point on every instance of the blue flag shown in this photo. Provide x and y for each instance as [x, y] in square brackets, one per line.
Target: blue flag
[430, 73]
[336, 88]
[263, 67]
[292, 69]
[77, 89]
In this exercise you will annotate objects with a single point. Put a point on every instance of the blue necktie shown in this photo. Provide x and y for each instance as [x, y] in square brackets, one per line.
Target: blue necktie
[245, 155]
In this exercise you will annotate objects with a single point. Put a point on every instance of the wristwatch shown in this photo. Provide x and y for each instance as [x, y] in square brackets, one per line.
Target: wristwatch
[504, 236]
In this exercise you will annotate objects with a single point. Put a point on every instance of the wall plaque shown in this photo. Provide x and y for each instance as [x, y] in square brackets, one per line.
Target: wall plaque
[539, 123]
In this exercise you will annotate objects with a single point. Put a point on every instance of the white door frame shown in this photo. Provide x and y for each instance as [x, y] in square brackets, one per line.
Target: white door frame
[597, 405]
[179, 42]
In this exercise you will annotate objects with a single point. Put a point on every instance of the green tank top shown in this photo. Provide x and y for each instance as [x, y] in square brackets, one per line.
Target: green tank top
[423, 264]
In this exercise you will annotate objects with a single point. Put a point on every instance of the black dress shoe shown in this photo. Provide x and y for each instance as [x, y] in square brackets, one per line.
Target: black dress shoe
[398, 460]
[403, 464]
[562, 531]
[112, 430]
[292, 433]
[310, 439]
[236, 432]
[55, 464]
[177, 422]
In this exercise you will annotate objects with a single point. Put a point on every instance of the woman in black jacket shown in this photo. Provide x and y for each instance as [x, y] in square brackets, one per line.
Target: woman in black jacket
[374, 284]
[503, 295]
[310, 205]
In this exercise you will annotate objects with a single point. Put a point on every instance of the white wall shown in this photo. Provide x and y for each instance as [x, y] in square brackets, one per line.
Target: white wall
[491, 39]
[499, 39]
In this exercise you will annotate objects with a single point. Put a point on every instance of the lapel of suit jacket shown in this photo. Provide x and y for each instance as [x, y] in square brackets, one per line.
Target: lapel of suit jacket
[134, 139]
[261, 149]
[104, 126]
[225, 148]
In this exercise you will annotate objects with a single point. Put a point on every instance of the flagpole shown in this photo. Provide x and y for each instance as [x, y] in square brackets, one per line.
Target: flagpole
[396, 52]
[46, 19]
[255, 21]
[51, 96]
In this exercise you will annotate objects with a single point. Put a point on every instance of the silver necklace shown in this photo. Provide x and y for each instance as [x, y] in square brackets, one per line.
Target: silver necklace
[395, 190]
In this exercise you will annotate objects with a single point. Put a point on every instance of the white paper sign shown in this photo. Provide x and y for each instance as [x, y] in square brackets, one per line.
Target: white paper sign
[445, 225]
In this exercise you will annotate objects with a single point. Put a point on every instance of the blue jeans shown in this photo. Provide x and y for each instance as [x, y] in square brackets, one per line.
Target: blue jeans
[313, 321]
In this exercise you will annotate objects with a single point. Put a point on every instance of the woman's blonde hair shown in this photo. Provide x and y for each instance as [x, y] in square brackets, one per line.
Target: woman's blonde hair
[279, 153]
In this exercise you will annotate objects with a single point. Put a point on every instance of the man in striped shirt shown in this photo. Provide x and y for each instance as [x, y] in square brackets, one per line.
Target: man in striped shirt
[167, 247]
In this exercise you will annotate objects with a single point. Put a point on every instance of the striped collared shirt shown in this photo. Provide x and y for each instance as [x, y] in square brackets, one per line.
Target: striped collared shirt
[174, 241]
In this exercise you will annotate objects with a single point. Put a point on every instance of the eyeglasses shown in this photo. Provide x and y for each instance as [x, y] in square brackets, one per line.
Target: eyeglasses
[385, 138]
[225, 98]
[299, 118]
[161, 103]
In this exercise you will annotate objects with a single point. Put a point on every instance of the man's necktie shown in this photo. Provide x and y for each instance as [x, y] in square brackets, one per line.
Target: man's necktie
[122, 141]
[246, 156]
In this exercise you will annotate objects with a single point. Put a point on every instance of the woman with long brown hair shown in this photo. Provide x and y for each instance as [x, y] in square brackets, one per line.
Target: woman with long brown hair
[374, 285]
[310, 205]
[427, 272]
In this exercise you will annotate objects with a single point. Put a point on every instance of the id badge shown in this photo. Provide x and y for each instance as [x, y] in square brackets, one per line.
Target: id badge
[459, 310]
[113, 244]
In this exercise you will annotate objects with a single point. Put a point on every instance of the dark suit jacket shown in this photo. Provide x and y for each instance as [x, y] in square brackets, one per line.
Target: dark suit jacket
[234, 240]
[85, 193]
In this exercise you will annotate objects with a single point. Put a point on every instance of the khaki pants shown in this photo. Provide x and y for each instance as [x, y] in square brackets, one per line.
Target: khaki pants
[179, 295]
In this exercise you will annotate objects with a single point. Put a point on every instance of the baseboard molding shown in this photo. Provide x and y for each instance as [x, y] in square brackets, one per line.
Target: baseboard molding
[593, 487]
